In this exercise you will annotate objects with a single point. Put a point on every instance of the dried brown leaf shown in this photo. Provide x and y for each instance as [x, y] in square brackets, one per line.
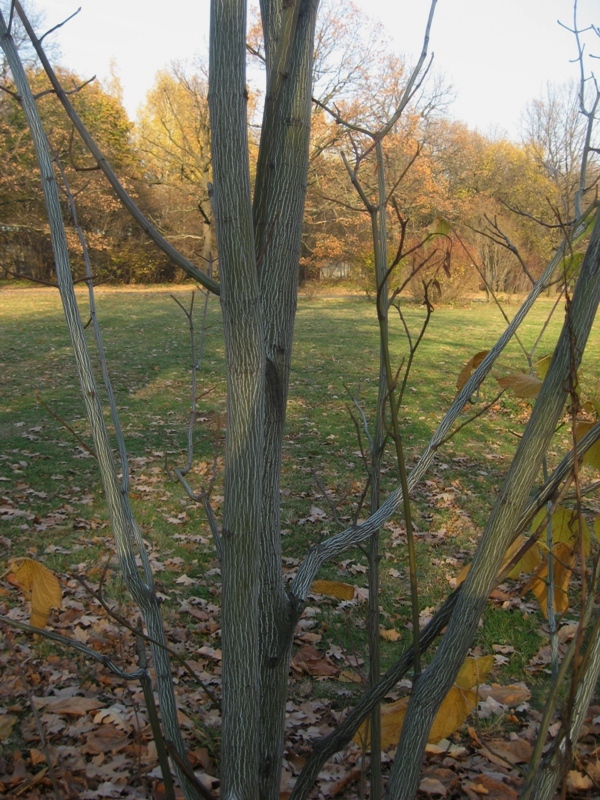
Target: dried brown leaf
[522, 385]
[468, 368]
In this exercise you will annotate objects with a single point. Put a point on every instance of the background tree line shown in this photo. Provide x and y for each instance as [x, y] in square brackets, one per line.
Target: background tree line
[441, 170]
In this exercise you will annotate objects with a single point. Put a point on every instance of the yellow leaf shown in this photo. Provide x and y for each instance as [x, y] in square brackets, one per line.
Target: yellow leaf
[455, 708]
[349, 676]
[39, 585]
[343, 591]
[392, 717]
[522, 385]
[541, 366]
[389, 636]
[474, 671]
[562, 569]
[462, 575]
[592, 456]
[565, 528]
[468, 368]
[530, 560]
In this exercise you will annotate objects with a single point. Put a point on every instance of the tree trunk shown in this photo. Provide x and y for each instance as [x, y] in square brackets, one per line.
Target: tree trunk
[278, 212]
[259, 248]
[245, 363]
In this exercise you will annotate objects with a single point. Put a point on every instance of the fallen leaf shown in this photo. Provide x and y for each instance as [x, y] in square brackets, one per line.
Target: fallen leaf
[39, 585]
[7, 723]
[510, 695]
[577, 782]
[337, 589]
[389, 636]
[310, 661]
[349, 676]
[69, 706]
[432, 786]
[513, 751]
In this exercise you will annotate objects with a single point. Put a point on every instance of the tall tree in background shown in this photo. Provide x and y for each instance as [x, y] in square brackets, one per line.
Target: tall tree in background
[173, 139]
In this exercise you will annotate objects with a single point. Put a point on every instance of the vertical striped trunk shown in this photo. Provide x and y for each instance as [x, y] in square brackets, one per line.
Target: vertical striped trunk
[259, 247]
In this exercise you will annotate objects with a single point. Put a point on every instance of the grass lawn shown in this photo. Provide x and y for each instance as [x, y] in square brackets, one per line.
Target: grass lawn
[52, 508]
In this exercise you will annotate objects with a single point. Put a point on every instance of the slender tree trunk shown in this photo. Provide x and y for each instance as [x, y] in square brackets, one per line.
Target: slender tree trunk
[278, 211]
[245, 362]
[259, 247]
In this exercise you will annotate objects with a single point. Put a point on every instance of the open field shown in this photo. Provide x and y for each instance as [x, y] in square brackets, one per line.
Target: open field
[51, 505]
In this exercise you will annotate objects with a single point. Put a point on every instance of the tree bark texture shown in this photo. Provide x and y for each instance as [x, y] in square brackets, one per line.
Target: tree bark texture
[259, 247]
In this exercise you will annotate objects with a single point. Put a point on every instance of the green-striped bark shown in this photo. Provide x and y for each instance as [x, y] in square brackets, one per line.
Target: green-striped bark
[278, 210]
[244, 353]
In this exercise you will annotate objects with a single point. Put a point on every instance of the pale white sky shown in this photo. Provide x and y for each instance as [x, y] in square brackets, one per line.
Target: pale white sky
[498, 54]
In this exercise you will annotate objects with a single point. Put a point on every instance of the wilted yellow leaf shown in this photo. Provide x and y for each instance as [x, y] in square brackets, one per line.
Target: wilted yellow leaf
[343, 591]
[592, 456]
[522, 385]
[39, 585]
[565, 528]
[530, 560]
[474, 671]
[562, 568]
[455, 708]
[541, 366]
[468, 368]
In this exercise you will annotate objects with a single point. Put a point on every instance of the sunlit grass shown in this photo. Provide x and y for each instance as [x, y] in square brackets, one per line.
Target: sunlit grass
[53, 484]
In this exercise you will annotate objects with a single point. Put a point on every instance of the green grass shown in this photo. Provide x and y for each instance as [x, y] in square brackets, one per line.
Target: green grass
[52, 484]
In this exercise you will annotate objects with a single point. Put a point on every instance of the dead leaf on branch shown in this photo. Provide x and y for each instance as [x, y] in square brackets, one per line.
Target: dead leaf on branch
[592, 456]
[526, 386]
[468, 369]
[562, 563]
[40, 586]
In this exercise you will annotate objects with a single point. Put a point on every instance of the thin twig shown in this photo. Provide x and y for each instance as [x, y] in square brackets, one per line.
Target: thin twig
[66, 425]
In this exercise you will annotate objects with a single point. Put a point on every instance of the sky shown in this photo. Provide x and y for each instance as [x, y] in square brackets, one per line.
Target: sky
[497, 54]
